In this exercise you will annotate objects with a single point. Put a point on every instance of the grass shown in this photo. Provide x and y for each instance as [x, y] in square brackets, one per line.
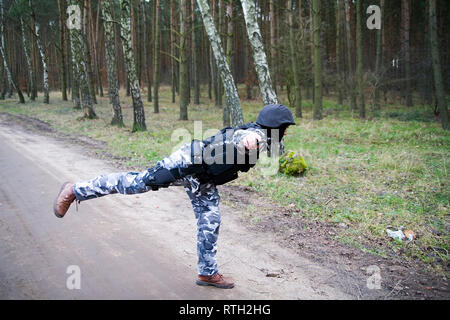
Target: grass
[389, 171]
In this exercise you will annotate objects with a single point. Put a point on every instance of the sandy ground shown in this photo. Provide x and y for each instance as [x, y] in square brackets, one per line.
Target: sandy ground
[126, 247]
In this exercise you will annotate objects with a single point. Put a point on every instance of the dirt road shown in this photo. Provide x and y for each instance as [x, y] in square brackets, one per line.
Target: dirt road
[127, 247]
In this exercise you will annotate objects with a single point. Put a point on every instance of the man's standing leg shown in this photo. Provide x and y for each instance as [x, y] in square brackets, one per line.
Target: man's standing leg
[205, 202]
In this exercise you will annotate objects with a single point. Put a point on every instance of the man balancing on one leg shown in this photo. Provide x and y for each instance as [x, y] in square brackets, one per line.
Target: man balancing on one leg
[200, 166]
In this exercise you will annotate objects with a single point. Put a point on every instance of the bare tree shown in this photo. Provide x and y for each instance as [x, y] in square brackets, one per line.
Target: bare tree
[135, 89]
[294, 61]
[361, 101]
[317, 50]
[111, 64]
[437, 71]
[232, 96]
[269, 95]
[11, 81]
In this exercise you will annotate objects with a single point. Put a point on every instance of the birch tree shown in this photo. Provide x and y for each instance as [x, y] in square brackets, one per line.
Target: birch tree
[232, 96]
[226, 110]
[111, 64]
[135, 90]
[195, 55]
[40, 47]
[44, 62]
[80, 63]
[259, 56]
[26, 50]
[11, 81]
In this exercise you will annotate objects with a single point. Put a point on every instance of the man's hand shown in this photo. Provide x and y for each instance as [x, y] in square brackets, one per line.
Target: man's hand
[250, 141]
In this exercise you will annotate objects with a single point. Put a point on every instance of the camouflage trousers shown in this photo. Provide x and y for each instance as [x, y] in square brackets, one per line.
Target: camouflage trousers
[204, 198]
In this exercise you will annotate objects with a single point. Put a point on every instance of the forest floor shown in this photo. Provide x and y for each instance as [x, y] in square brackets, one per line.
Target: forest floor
[389, 171]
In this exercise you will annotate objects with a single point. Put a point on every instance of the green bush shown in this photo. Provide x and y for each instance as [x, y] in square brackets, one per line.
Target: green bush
[292, 164]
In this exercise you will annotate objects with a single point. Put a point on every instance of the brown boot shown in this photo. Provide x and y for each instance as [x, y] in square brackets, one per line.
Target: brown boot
[216, 280]
[64, 199]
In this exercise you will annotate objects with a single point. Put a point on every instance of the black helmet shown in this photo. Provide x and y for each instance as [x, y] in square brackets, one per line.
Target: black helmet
[275, 116]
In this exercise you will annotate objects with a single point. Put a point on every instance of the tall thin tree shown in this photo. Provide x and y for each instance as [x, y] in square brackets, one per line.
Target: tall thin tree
[405, 29]
[62, 47]
[269, 95]
[11, 81]
[317, 50]
[135, 90]
[232, 96]
[80, 62]
[294, 60]
[359, 57]
[111, 64]
[437, 68]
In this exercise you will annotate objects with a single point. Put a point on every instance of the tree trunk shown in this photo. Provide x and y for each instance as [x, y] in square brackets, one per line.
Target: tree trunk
[6, 66]
[87, 52]
[80, 62]
[259, 56]
[184, 95]
[317, 60]
[75, 69]
[195, 55]
[351, 75]
[97, 46]
[135, 90]
[232, 96]
[43, 59]
[359, 54]
[12, 83]
[378, 63]
[156, 57]
[294, 62]
[172, 50]
[406, 51]
[111, 64]
[26, 49]
[145, 60]
[62, 28]
[272, 44]
[226, 110]
[214, 77]
[2, 80]
[339, 36]
[437, 70]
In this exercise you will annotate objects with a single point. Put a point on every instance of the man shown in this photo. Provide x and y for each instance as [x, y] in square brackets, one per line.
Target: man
[199, 166]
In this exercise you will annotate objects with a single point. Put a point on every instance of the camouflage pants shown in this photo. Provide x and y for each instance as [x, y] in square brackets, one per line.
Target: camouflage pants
[204, 199]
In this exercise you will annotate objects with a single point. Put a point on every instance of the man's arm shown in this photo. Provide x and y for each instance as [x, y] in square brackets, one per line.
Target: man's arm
[250, 139]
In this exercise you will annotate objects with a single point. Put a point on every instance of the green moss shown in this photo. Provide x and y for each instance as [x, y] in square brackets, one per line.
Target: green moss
[292, 164]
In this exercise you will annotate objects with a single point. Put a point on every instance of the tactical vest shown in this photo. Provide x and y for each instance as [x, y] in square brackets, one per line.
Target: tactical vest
[214, 162]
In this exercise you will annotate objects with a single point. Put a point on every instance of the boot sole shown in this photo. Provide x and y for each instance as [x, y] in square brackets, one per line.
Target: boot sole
[56, 199]
[221, 286]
